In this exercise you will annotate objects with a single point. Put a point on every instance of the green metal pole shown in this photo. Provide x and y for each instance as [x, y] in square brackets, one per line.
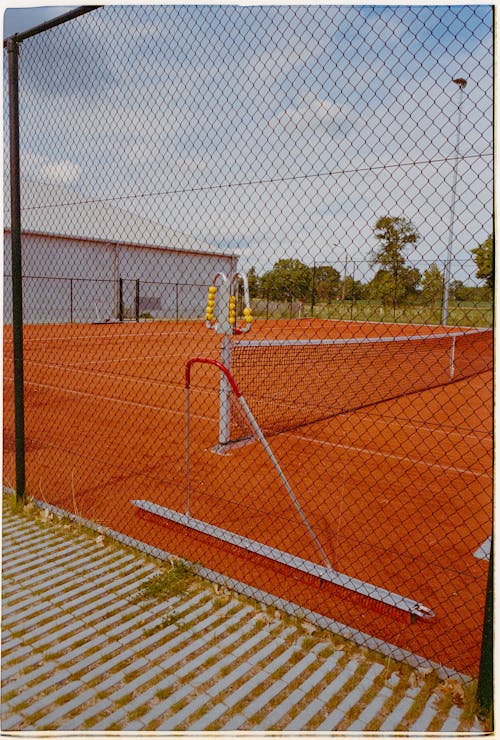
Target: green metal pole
[17, 271]
[484, 698]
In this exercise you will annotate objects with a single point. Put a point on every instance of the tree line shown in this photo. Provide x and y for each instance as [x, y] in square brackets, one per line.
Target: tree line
[394, 283]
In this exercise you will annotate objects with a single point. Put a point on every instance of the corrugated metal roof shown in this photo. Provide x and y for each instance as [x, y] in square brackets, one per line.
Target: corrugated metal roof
[59, 210]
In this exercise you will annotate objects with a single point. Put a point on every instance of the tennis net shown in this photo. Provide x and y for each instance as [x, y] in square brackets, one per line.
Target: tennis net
[292, 383]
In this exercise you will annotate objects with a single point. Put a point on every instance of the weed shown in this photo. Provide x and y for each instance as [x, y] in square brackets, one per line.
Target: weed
[171, 581]
[308, 643]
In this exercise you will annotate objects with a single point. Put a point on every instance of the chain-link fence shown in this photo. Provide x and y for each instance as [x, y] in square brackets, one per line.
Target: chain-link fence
[257, 279]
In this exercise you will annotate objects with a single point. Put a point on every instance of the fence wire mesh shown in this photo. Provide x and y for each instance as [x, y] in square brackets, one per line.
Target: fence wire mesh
[330, 168]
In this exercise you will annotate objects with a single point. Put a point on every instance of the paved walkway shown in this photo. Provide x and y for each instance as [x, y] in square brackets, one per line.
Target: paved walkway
[82, 652]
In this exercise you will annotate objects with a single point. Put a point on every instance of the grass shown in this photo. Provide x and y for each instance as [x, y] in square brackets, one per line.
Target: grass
[173, 580]
[459, 314]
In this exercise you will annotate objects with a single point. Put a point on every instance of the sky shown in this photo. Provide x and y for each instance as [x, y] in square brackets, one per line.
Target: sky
[19, 19]
[279, 131]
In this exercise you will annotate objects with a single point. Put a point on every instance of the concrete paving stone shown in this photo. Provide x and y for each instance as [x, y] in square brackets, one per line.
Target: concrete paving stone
[46, 701]
[25, 621]
[94, 710]
[298, 694]
[54, 556]
[450, 725]
[53, 719]
[127, 631]
[200, 642]
[43, 667]
[163, 706]
[281, 684]
[277, 687]
[30, 630]
[8, 639]
[240, 650]
[183, 636]
[33, 539]
[78, 594]
[100, 621]
[254, 659]
[428, 713]
[145, 677]
[12, 722]
[97, 608]
[304, 717]
[80, 654]
[99, 586]
[236, 722]
[202, 676]
[27, 606]
[44, 555]
[194, 705]
[96, 575]
[59, 574]
[17, 653]
[103, 668]
[30, 692]
[65, 639]
[371, 711]
[181, 608]
[208, 719]
[258, 679]
[400, 710]
[338, 714]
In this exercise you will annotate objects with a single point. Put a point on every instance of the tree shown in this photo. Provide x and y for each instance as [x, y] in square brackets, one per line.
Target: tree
[351, 289]
[253, 282]
[394, 282]
[290, 279]
[432, 286]
[483, 257]
[394, 234]
[326, 283]
[393, 289]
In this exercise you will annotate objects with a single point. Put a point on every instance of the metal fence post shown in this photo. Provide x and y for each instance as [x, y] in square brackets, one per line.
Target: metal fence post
[17, 272]
[484, 698]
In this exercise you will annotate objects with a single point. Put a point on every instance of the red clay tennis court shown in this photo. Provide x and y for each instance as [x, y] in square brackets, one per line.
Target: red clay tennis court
[398, 491]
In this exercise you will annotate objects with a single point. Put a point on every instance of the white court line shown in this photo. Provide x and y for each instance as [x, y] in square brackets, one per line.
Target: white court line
[311, 440]
[390, 456]
[71, 365]
[115, 376]
[477, 436]
[99, 397]
[110, 340]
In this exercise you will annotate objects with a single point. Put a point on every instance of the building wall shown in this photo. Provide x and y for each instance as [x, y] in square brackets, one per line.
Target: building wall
[78, 280]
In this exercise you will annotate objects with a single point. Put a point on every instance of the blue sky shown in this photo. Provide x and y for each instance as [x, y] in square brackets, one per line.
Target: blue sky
[17, 20]
[285, 129]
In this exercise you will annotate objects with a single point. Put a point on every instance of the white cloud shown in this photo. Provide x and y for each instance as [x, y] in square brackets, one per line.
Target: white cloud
[42, 168]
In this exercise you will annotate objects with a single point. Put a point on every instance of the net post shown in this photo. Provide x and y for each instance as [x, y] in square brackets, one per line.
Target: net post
[452, 357]
[120, 299]
[225, 394]
[137, 299]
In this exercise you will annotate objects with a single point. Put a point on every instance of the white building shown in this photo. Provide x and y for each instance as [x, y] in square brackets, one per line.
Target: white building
[77, 251]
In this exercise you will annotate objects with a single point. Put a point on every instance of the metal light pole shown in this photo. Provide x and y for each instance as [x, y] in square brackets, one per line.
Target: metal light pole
[447, 268]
